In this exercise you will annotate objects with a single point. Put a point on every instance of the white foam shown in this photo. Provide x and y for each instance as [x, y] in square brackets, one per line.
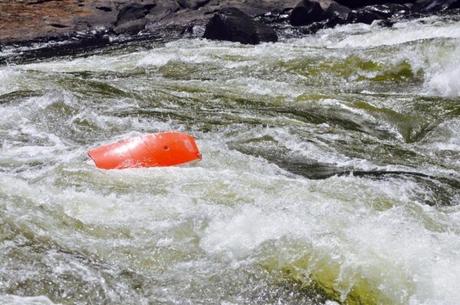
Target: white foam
[400, 33]
[404, 260]
[8, 80]
[8, 299]
[183, 53]
[446, 81]
[156, 60]
[91, 63]
[445, 136]
[264, 87]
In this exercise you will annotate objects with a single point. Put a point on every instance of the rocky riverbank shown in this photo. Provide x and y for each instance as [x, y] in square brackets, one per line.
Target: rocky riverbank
[70, 26]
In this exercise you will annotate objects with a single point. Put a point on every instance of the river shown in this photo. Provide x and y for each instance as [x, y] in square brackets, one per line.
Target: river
[330, 172]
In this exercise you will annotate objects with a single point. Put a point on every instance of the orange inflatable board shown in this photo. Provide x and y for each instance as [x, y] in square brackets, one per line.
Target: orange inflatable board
[159, 149]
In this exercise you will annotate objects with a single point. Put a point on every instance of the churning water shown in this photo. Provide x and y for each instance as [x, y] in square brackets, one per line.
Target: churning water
[330, 172]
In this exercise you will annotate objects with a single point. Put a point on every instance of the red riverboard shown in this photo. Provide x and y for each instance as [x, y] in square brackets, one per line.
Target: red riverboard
[159, 149]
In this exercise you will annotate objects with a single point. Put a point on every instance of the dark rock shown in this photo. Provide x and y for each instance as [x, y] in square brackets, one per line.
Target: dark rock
[370, 13]
[130, 27]
[192, 4]
[336, 13]
[314, 27]
[58, 25]
[428, 6]
[309, 11]
[30, 21]
[162, 10]
[276, 16]
[104, 8]
[306, 12]
[131, 18]
[231, 24]
[103, 14]
[132, 12]
[265, 33]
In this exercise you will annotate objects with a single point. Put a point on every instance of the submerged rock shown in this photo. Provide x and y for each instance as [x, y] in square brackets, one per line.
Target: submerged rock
[231, 24]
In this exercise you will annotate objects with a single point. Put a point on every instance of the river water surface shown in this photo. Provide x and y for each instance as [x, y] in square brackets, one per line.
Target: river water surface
[330, 172]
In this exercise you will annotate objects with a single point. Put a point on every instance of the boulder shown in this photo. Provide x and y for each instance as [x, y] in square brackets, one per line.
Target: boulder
[133, 11]
[306, 12]
[231, 24]
[309, 11]
[163, 9]
[335, 12]
[131, 18]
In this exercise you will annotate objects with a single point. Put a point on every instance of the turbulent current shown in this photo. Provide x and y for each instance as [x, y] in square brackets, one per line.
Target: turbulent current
[330, 172]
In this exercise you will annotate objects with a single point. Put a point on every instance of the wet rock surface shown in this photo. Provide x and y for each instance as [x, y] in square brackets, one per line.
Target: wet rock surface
[131, 18]
[371, 13]
[92, 24]
[430, 6]
[231, 24]
[309, 11]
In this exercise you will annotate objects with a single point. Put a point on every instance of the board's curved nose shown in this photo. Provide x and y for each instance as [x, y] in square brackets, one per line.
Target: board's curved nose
[159, 149]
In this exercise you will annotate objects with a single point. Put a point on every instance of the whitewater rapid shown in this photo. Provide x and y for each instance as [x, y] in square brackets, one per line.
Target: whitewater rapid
[248, 224]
